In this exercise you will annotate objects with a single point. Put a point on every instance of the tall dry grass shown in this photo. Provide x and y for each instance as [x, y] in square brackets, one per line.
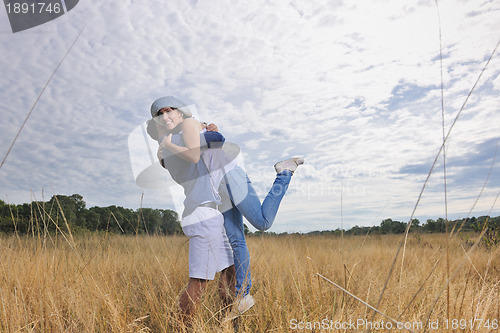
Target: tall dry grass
[104, 283]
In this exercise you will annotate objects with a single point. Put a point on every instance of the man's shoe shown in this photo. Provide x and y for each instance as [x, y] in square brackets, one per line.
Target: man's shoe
[290, 164]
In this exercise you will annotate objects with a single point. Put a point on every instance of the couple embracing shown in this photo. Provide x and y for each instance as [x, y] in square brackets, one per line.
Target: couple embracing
[218, 193]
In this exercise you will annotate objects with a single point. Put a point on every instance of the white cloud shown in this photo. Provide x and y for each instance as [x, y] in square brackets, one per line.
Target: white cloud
[315, 78]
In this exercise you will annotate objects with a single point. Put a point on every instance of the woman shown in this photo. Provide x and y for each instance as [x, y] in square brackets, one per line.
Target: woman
[243, 197]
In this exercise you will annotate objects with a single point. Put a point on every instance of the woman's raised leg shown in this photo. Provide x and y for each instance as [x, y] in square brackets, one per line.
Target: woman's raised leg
[244, 196]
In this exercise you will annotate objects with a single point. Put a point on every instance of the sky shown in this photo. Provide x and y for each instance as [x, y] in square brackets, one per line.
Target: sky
[353, 87]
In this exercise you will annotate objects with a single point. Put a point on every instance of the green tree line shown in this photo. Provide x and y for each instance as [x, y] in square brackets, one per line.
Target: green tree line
[389, 226]
[63, 212]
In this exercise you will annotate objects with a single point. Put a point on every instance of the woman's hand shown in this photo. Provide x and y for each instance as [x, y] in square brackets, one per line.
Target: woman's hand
[212, 128]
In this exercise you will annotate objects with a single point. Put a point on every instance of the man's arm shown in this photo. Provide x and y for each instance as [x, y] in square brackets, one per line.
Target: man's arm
[190, 133]
[211, 138]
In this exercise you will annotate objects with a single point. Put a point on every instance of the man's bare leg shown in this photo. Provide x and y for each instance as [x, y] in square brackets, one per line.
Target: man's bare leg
[227, 286]
[190, 298]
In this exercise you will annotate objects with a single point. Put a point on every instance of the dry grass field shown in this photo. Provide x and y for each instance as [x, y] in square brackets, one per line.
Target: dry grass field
[104, 283]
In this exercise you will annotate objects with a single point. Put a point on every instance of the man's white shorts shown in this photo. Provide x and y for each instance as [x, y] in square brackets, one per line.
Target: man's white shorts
[209, 248]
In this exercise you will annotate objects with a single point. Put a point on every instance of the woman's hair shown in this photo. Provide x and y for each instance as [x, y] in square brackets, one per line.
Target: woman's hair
[152, 130]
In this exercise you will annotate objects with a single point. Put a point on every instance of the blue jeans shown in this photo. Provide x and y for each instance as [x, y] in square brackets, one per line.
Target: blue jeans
[245, 202]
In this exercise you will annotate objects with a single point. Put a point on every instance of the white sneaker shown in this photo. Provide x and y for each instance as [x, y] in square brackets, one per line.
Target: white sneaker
[290, 164]
[241, 306]
[244, 304]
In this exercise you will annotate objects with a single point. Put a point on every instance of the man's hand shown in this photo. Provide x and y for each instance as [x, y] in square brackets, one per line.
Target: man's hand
[166, 141]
